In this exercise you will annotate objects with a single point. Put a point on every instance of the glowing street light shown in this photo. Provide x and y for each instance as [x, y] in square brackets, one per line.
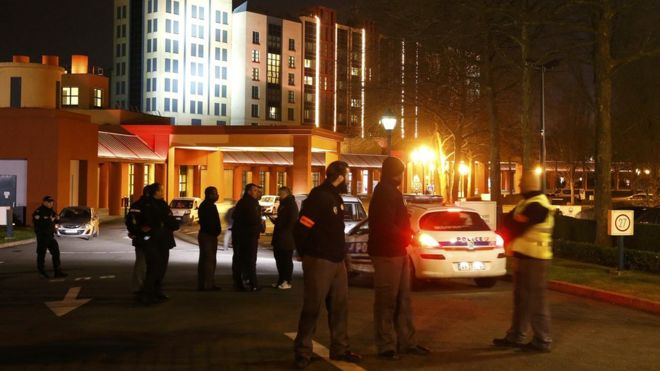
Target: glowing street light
[463, 170]
[389, 122]
[538, 170]
[647, 171]
[425, 156]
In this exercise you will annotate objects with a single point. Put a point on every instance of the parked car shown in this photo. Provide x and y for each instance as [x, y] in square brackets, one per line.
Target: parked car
[186, 209]
[269, 204]
[448, 242]
[78, 221]
[354, 211]
[414, 198]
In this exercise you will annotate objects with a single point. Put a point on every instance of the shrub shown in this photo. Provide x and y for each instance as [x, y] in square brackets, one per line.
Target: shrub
[646, 261]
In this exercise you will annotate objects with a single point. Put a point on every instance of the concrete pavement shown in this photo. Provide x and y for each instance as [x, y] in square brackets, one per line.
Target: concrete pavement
[242, 331]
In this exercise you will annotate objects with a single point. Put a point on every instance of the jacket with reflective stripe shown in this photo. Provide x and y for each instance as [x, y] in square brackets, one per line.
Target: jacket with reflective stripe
[536, 242]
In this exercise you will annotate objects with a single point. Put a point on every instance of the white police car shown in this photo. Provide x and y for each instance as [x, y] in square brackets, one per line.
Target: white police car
[448, 242]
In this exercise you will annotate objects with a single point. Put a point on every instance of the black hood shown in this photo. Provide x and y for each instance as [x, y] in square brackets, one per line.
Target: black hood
[392, 167]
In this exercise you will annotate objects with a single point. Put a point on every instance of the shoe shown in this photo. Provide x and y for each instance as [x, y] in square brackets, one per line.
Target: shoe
[274, 285]
[531, 347]
[301, 362]
[59, 274]
[347, 356]
[284, 285]
[506, 343]
[43, 274]
[389, 355]
[418, 350]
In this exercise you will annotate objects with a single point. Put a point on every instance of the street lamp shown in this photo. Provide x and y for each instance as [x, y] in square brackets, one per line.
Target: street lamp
[425, 156]
[463, 170]
[543, 67]
[389, 122]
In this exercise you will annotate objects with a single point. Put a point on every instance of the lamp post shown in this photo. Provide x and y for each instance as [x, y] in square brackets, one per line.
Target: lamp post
[389, 122]
[462, 170]
[543, 67]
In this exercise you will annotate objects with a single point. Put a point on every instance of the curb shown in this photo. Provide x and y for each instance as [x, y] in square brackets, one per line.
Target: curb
[17, 243]
[623, 300]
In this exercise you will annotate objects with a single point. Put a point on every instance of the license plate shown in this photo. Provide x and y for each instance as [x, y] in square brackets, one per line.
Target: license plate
[471, 266]
[463, 266]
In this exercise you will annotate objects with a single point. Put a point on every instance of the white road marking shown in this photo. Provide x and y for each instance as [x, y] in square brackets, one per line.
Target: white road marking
[69, 303]
[57, 280]
[82, 278]
[105, 277]
[324, 353]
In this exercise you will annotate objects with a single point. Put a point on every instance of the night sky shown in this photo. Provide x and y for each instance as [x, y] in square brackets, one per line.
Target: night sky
[66, 27]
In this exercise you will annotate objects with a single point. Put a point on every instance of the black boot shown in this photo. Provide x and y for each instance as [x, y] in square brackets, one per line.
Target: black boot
[42, 273]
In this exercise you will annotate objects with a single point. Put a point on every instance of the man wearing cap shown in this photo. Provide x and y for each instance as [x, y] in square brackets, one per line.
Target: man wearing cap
[527, 231]
[319, 238]
[389, 237]
[43, 220]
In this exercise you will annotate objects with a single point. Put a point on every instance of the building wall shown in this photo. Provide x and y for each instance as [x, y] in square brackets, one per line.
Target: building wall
[49, 140]
[88, 85]
[39, 84]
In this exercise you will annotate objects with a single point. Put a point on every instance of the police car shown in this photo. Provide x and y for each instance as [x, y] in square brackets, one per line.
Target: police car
[354, 211]
[448, 242]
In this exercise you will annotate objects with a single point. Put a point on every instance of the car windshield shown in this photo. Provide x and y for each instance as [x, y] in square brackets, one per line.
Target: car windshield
[75, 213]
[181, 204]
[354, 211]
[452, 221]
[267, 198]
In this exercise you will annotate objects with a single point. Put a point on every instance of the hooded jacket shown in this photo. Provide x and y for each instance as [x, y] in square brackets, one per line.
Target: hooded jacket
[389, 223]
[287, 217]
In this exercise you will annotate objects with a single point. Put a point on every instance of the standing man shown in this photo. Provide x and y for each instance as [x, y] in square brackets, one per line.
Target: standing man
[389, 237]
[229, 219]
[157, 225]
[319, 236]
[137, 238]
[209, 230]
[43, 220]
[245, 233]
[283, 242]
[527, 229]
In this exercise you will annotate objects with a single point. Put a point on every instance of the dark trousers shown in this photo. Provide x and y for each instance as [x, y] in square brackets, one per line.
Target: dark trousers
[249, 248]
[156, 256]
[326, 284]
[284, 263]
[208, 248]
[394, 328]
[529, 301]
[47, 242]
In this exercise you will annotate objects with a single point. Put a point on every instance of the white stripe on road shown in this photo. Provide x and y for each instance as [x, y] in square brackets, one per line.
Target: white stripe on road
[105, 277]
[83, 278]
[324, 353]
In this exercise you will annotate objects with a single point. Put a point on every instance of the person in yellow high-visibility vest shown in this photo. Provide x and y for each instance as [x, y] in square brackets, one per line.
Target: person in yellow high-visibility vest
[527, 231]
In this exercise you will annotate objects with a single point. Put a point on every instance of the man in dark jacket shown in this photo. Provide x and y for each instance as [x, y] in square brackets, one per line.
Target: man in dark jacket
[43, 220]
[157, 225]
[209, 230]
[283, 243]
[319, 236]
[245, 236]
[389, 237]
[137, 238]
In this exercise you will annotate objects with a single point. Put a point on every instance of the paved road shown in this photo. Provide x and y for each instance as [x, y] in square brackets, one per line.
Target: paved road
[246, 331]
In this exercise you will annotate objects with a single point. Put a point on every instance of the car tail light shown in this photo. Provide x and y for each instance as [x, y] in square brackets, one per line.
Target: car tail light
[427, 241]
[432, 256]
[499, 241]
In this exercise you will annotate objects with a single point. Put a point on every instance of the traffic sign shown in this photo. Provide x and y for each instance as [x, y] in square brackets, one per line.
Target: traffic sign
[621, 223]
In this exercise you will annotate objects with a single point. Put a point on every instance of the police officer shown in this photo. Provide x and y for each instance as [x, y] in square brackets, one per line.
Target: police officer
[157, 225]
[209, 230]
[245, 235]
[43, 220]
[527, 230]
[389, 237]
[137, 238]
[319, 237]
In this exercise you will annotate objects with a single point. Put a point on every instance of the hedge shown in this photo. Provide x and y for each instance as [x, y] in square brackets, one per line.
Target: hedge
[646, 261]
[646, 238]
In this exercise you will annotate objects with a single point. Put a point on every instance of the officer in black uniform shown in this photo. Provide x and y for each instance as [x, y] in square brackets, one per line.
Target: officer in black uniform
[245, 234]
[156, 224]
[319, 237]
[137, 238]
[43, 220]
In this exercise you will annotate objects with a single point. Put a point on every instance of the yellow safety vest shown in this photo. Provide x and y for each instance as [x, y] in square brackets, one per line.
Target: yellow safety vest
[536, 242]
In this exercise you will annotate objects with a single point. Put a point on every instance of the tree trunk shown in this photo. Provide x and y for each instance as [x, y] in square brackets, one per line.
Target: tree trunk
[494, 170]
[526, 86]
[603, 71]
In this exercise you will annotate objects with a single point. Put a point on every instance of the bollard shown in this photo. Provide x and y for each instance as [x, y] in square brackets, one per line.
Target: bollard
[10, 224]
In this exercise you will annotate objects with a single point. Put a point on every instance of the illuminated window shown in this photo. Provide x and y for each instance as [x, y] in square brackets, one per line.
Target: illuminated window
[98, 98]
[273, 72]
[292, 97]
[308, 63]
[292, 62]
[309, 80]
[131, 179]
[183, 181]
[147, 168]
[255, 56]
[273, 113]
[355, 71]
[255, 74]
[70, 96]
